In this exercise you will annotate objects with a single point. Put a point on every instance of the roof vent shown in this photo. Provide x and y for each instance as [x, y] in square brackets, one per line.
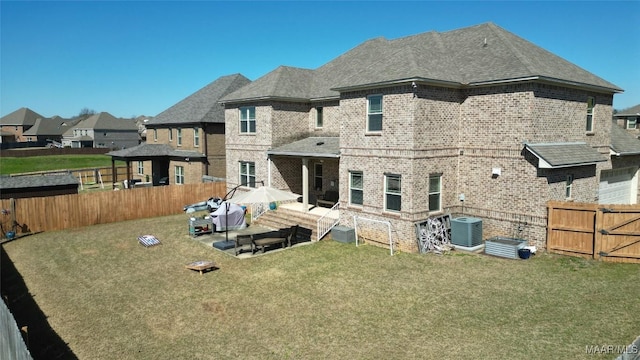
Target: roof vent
[320, 143]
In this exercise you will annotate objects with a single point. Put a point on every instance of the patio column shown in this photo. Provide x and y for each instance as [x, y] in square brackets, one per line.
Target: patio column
[305, 184]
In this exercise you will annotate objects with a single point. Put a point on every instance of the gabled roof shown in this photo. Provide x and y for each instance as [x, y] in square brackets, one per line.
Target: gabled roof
[33, 181]
[106, 121]
[622, 142]
[154, 150]
[21, 117]
[55, 126]
[201, 106]
[326, 147]
[632, 111]
[560, 155]
[473, 56]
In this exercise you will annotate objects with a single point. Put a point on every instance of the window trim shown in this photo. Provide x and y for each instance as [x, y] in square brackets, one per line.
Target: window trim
[316, 177]
[248, 119]
[568, 186]
[170, 134]
[319, 117]
[591, 104]
[352, 188]
[369, 113]
[155, 135]
[635, 123]
[179, 175]
[386, 192]
[196, 137]
[245, 165]
[140, 167]
[179, 136]
[438, 192]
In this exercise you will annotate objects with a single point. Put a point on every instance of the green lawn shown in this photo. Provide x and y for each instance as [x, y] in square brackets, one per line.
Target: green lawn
[108, 297]
[18, 165]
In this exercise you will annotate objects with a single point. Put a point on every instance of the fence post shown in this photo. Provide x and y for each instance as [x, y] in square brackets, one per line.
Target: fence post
[597, 235]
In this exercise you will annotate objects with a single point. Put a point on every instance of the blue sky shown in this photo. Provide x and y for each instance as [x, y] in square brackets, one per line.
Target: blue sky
[141, 57]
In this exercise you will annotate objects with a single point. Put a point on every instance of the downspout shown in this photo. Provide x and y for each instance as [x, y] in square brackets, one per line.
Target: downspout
[206, 150]
[269, 170]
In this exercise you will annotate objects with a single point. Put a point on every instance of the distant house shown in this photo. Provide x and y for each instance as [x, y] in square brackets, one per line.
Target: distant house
[17, 123]
[102, 130]
[186, 142]
[37, 186]
[51, 129]
[629, 119]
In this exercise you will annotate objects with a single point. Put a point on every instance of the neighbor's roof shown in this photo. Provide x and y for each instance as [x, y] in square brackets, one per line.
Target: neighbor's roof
[20, 117]
[632, 111]
[559, 155]
[201, 106]
[53, 126]
[473, 56]
[622, 142]
[106, 121]
[154, 150]
[21, 182]
[310, 147]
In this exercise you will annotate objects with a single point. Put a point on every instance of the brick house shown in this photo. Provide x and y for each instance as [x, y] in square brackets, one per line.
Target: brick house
[185, 142]
[629, 119]
[475, 122]
[13, 125]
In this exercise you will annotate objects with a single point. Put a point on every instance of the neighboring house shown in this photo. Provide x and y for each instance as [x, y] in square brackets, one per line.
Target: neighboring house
[102, 130]
[476, 122]
[629, 119]
[17, 123]
[186, 142]
[620, 184]
[37, 186]
[49, 129]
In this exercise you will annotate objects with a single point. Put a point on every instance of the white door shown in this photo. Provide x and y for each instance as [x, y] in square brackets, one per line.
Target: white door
[617, 186]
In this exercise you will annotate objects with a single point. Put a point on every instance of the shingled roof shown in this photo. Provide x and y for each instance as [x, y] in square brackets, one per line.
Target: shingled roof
[153, 150]
[201, 106]
[21, 117]
[36, 181]
[327, 147]
[51, 127]
[622, 142]
[632, 111]
[472, 56]
[559, 155]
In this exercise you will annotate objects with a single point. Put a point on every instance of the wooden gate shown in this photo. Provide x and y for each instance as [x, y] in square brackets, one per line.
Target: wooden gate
[606, 232]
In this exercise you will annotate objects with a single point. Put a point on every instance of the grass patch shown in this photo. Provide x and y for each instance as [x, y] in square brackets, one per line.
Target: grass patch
[109, 297]
[19, 165]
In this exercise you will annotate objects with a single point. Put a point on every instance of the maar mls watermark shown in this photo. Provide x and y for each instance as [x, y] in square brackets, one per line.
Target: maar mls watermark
[612, 349]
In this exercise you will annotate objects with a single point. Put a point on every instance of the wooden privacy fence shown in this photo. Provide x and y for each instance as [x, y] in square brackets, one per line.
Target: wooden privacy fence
[30, 215]
[598, 231]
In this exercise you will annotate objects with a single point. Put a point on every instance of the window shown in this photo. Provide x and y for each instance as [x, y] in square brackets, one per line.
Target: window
[317, 177]
[632, 123]
[140, 167]
[392, 192]
[170, 134]
[196, 137]
[155, 134]
[179, 175]
[247, 174]
[567, 187]
[374, 113]
[179, 136]
[435, 192]
[356, 191]
[590, 105]
[248, 119]
[319, 117]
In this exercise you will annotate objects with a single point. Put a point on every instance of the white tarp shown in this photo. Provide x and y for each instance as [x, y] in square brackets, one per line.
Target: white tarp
[233, 219]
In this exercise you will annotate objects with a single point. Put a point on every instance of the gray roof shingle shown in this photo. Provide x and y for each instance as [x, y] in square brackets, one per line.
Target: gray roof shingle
[154, 150]
[21, 117]
[632, 111]
[311, 147]
[21, 182]
[470, 56]
[557, 155]
[622, 142]
[201, 106]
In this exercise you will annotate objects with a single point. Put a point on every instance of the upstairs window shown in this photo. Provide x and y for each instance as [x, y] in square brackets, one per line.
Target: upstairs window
[319, 115]
[170, 134]
[248, 120]
[392, 192]
[591, 103]
[196, 137]
[247, 174]
[632, 123]
[568, 186]
[374, 113]
[435, 192]
[155, 134]
[179, 136]
[356, 190]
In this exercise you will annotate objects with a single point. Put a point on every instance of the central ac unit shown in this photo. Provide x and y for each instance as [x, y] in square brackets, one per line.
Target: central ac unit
[466, 231]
